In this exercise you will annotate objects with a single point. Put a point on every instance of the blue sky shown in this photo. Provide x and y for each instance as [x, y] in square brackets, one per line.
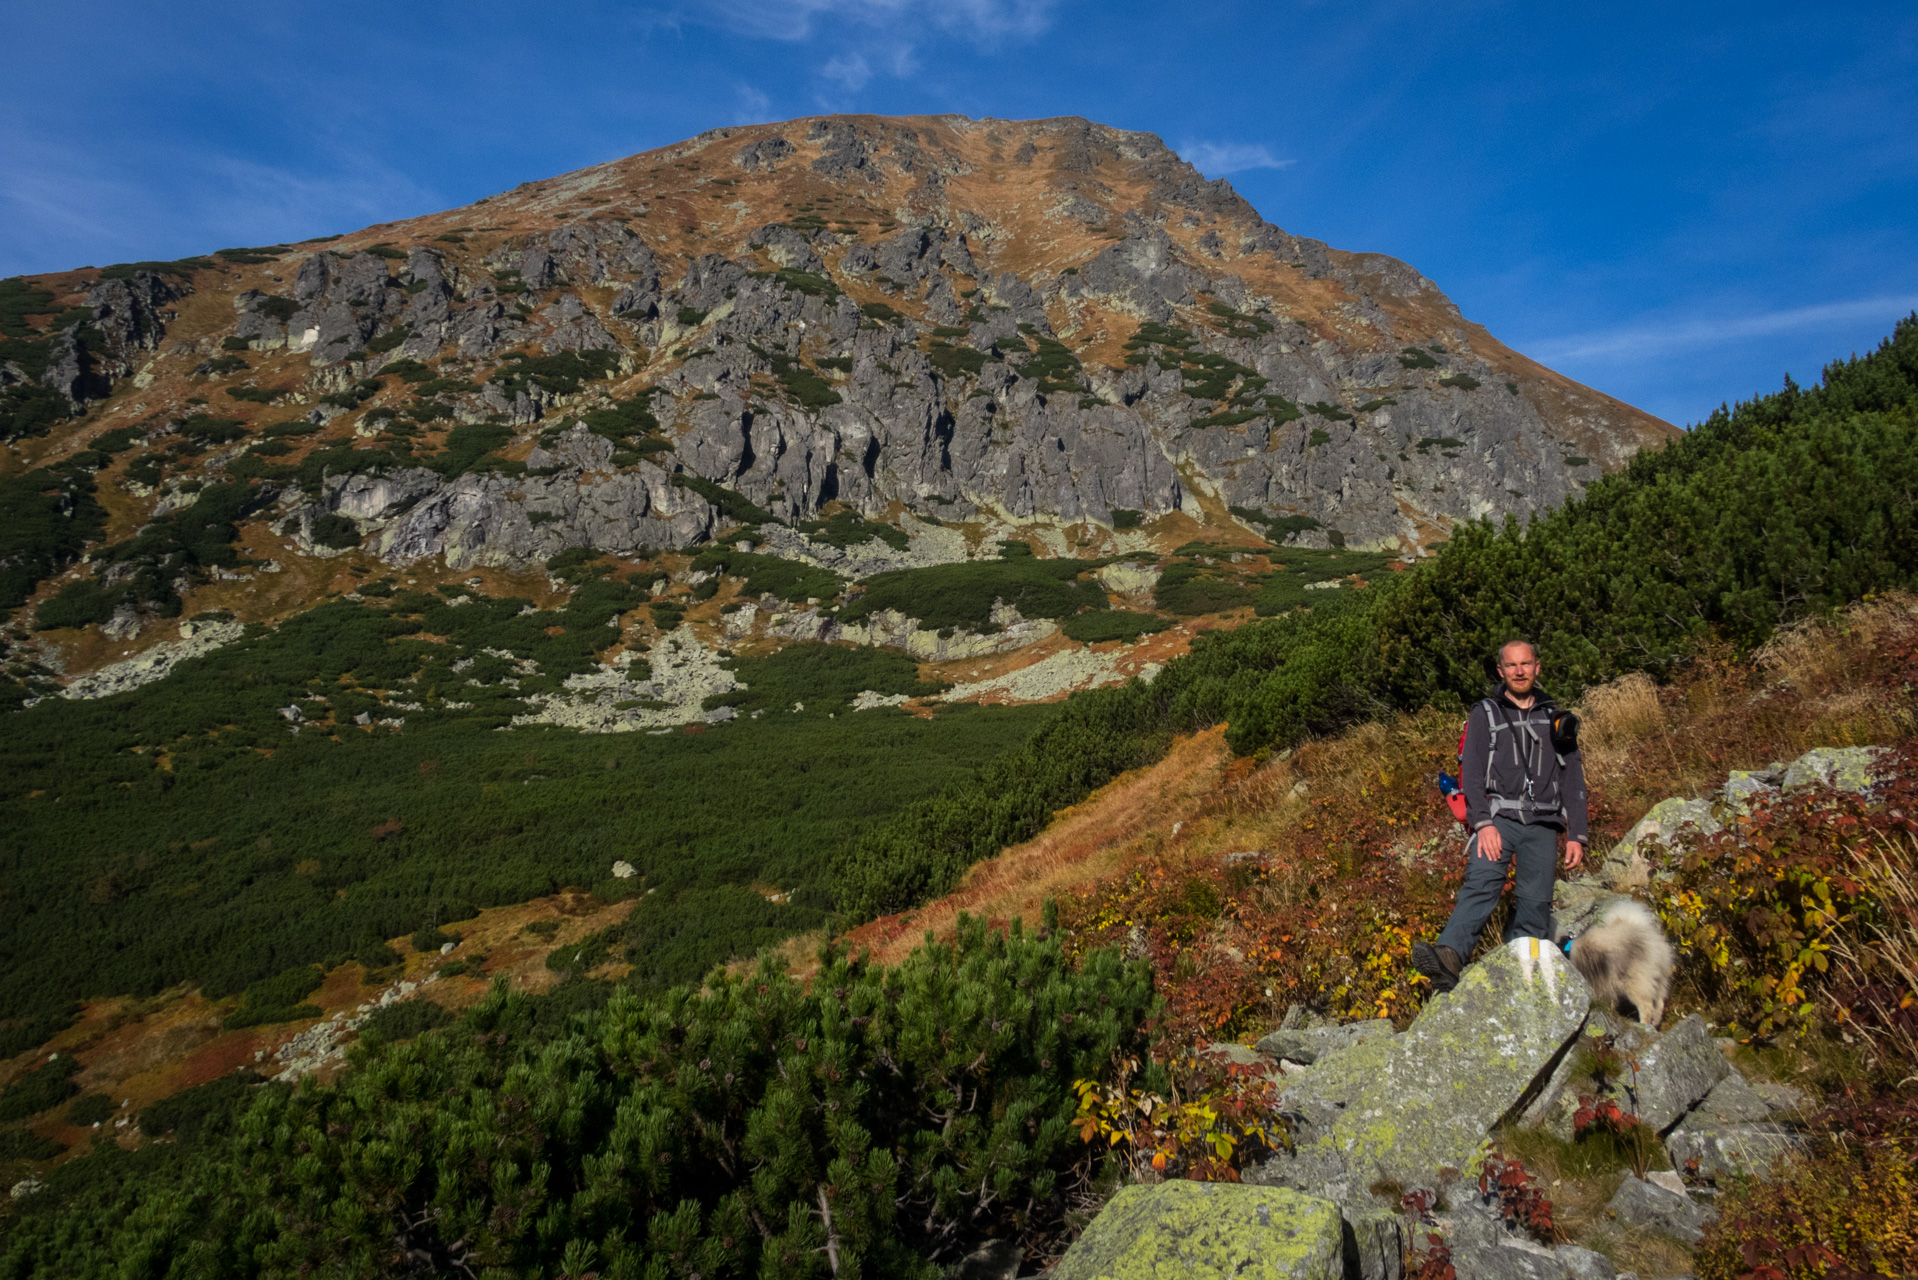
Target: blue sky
[1674, 203]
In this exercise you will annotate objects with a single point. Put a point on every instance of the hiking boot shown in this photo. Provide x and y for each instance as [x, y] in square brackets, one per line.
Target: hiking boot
[1440, 964]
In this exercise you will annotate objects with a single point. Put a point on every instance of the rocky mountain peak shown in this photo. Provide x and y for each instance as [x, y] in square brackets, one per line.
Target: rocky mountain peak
[928, 320]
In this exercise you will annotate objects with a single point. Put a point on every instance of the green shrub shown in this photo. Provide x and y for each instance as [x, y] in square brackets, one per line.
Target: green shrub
[1319, 436]
[847, 528]
[18, 300]
[298, 427]
[405, 1019]
[95, 1108]
[256, 395]
[376, 953]
[466, 445]
[390, 340]
[1413, 358]
[236, 344]
[824, 678]
[880, 311]
[1463, 381]
[962, 595]
[955, 362]
[1124, 518]
[1191, 589]
[430, 939]
[689, 317]
[21, 1034]
[807, 282]
[1112, 624]
[202, 1112]
[184, 268]
[624, 420]
[41, 1089]
[770, 575]
[278, 999]
[912, 1101]
[25, 1144]
[79, 604]
[280, 309]
[562, 374]
[735, 506]
[387, 251]
[406, 369]
[336, 531]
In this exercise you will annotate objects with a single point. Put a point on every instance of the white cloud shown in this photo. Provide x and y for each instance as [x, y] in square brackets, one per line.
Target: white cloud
[990, 21]
[65, 209]
[1663, 338]
[754, 107]
[848, 69]
[1216, 159]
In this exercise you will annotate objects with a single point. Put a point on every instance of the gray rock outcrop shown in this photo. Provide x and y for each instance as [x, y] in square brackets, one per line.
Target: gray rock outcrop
[1247, 406]
[1652, 1207]
[1674, 1073]
[1409, 1108]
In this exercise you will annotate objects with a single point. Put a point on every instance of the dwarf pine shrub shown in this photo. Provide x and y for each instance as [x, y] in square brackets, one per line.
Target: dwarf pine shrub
[753, 1126]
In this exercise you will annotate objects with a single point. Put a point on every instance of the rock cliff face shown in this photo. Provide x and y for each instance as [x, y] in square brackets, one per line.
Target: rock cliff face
[933, 321]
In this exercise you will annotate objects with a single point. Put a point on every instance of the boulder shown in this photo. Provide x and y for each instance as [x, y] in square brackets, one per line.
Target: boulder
[1731, 1101]
[1201, 1230]
[1504, 1262]
[1641, 1204]
[1674, 1073]
[1586, 1264]
[1746, 785]
[1625, 866]
[1719, 1149]
[1307, 1046]
[1840, 768]
[1408, 1108]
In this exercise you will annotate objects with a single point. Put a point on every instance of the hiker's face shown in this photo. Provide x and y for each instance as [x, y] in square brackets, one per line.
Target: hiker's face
[1518, 667]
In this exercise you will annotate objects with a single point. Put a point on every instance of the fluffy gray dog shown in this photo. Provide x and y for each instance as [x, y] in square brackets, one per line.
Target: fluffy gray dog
[1625, 958]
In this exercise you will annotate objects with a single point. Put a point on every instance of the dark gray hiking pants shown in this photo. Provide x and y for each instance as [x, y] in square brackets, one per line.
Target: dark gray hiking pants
[1536, 849]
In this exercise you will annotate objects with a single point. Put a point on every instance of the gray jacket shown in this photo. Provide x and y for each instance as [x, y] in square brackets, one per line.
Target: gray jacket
[1510, 769]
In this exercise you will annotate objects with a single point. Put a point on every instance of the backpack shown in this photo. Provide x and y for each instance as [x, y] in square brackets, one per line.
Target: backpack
[1564, 740]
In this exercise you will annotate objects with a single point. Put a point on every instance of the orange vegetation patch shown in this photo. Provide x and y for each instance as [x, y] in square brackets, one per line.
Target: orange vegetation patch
[1141, 810]
[140, 1050]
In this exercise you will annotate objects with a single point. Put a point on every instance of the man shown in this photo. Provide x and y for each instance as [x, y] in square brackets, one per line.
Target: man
[1522, 788]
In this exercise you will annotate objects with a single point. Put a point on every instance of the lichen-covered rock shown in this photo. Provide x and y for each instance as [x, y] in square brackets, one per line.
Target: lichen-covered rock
[1839, 768]
[1308, 1045]
[1729, 1148]
[1474, 1056]
[1674, 1073]
[1625, 866]
[1644, 1204]
[196, 640]
[1747, 785]
[1203, 1230]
